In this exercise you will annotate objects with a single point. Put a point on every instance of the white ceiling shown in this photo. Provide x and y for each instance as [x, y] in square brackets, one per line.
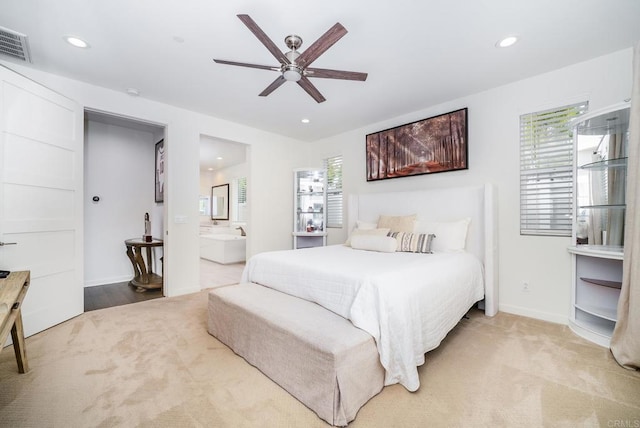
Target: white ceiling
[417, 53]
[216, 154]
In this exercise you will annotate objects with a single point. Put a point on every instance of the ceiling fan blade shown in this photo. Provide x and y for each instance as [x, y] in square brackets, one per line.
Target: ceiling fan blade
[335, 74]
[266, 41]
[310, 89]
[244, 64]
[273, 86]
[318, 47]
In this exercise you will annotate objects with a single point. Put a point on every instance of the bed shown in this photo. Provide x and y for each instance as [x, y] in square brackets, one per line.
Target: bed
[407, 302]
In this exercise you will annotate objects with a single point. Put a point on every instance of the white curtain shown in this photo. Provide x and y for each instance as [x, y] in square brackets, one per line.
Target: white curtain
[625, 343]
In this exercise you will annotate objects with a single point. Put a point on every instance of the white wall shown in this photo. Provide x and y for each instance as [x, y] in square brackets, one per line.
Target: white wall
[543, 262]
[271, 220]
[119, 169]
[208, 179]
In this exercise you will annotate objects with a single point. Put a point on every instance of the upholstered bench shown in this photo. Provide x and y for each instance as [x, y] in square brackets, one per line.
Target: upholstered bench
[317, 356]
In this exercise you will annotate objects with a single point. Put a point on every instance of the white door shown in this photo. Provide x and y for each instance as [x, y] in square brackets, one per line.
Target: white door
[41, 158]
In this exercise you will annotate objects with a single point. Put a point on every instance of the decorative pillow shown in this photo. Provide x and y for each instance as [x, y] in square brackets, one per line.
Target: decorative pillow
[397, 223]
[366, 225]
[383, 244]
[413, 242]
[452, 235]
[374, 232]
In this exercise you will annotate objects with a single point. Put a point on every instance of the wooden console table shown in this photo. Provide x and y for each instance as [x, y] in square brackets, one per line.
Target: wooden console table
[13, 288]
[144, 278]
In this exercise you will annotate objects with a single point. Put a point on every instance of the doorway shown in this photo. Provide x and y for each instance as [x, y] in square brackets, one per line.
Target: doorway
[119, 193]
[223, 165]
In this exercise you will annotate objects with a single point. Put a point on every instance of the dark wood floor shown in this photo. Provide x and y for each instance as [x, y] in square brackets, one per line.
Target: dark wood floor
[105, 296]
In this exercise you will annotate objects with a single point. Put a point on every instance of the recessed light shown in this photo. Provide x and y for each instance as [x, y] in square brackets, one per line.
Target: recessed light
[77, 42]
[219, 158]
[506, 42]
[305, 120]
[209, 169]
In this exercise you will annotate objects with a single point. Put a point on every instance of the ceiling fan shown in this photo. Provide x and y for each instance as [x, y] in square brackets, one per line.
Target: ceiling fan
[294, 66]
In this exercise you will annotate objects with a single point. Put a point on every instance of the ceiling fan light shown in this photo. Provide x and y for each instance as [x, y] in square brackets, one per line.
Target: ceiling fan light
[292, 75]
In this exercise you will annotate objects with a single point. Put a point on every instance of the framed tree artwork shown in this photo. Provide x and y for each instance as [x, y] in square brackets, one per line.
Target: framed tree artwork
[427, 146]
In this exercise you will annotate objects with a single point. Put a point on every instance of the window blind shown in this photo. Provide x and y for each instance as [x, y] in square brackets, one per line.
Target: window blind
[242, 190]
[333, 165]
[546, 170]
[241, 199]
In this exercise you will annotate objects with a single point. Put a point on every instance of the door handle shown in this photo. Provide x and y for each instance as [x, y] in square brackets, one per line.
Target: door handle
[2, 244]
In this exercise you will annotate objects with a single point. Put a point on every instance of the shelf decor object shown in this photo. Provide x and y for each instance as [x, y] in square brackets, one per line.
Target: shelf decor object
[600, 156]
[309, 203]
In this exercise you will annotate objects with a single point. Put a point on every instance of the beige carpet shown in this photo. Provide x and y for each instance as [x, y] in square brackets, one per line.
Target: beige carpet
[153, 364]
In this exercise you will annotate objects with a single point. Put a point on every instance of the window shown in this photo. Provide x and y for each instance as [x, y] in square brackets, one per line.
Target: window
[203, 205]
[546, 171]
[239, 198]
[333, 166]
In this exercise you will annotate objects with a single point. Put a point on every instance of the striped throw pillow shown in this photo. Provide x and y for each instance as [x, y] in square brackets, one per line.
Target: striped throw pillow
[413, 242]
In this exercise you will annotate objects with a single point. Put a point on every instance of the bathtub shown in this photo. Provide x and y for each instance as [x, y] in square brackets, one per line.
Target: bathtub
[223, 248]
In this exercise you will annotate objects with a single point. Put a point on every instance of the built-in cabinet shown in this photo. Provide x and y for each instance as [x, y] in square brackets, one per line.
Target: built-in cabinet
[309, 204]
[600, 153]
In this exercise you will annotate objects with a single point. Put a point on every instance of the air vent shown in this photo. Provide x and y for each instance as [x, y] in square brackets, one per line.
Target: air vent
[14, 44]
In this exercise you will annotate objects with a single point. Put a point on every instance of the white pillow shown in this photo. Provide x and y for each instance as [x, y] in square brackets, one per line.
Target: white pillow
[450, 235]
[375, 232]
[383, 244]
[366, 225]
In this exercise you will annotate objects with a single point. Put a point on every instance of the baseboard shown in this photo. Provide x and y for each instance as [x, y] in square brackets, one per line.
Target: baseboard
[105, 281]
[531, 313]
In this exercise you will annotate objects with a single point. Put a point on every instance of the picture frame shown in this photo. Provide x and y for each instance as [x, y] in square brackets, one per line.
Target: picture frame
[159, 171]
[427, 146]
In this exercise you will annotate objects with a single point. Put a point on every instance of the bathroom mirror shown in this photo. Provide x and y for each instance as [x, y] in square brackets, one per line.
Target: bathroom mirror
[220, 202]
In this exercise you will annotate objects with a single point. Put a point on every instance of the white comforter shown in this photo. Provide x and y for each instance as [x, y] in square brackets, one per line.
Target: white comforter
[408, 302]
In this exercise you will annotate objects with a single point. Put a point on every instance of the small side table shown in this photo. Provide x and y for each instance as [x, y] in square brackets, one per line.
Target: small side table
[13, 288]
[144, 278]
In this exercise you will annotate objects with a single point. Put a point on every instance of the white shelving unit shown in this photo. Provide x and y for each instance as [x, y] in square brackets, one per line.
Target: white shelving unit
[309, 204]
[599, 205]
[597, 277]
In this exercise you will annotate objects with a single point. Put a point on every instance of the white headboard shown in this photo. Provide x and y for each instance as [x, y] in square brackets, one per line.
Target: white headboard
[449, 204]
